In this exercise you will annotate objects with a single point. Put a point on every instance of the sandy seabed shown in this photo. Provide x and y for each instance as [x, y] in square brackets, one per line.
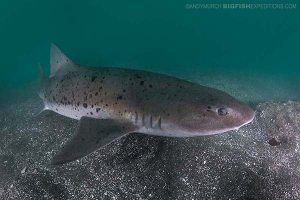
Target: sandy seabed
[260, 161]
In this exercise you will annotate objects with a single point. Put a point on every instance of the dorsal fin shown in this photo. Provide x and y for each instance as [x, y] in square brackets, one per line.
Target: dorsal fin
[59, 62]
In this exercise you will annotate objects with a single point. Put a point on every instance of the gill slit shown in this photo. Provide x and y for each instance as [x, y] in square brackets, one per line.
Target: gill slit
[142, 119]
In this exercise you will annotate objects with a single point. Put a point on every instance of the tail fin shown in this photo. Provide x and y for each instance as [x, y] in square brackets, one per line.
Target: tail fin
[42, 81]
[41, 91]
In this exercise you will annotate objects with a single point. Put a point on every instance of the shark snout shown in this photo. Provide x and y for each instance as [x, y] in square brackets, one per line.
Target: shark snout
[247, 114]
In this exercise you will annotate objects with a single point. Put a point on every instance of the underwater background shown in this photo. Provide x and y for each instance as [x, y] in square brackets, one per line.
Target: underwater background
[252, 54]
[228, 45]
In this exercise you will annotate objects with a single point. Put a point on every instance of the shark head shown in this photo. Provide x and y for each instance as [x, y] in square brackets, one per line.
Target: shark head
[211, 112]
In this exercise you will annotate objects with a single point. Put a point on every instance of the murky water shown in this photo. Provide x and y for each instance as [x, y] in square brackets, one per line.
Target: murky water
[253, 54]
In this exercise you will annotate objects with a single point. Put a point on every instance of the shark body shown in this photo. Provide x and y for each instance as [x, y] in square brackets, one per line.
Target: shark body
[113, 102]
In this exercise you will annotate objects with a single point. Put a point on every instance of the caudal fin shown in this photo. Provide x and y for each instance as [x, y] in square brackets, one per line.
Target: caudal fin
[42, 81]
[41, 89]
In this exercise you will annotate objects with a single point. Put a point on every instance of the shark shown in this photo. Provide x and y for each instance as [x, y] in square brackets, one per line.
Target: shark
[112, 102]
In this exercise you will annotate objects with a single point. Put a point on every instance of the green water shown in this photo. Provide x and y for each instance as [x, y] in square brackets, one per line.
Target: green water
[233, 50]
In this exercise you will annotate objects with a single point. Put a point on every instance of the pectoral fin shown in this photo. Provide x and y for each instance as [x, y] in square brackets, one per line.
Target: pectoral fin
[91, 135]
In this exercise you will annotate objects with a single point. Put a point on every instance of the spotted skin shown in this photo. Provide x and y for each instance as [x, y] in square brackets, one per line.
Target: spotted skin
[158, 104]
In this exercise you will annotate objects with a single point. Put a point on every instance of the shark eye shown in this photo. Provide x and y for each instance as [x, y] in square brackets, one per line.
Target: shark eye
[222, 111]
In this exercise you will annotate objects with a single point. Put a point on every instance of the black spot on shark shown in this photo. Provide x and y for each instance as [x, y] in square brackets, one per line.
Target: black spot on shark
[93, 78]
[120, 97]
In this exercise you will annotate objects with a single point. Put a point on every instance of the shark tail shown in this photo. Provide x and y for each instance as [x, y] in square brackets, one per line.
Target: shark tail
[42, 82]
